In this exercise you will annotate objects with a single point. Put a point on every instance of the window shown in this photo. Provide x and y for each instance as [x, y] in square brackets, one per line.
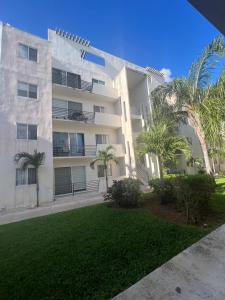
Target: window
[26, 131]
[22, 131]
[27, 176]
[99, 109]
[102, 139]
[98, 81]
[27, 90]
[20, 177]
[32, 179]
[32, 132]
[101, 170]
[27, 52]
[66, 78]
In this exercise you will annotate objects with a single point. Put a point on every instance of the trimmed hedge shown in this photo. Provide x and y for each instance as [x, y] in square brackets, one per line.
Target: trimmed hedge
[190, 193]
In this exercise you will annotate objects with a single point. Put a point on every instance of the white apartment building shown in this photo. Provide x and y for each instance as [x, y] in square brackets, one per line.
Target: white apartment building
[68, 99]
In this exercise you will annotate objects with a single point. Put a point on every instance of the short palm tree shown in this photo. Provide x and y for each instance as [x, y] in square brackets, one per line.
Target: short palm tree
[36, 160]
[104, 157]
[161, 141]
[186, 95]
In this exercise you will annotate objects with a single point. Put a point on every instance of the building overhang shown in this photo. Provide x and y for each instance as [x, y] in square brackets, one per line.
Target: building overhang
[213, 10]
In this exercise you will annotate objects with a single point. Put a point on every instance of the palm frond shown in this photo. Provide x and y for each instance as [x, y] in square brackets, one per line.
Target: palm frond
[36, 159]
[200, 71]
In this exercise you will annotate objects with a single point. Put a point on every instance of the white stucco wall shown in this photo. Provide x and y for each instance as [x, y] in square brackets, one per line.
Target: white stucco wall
[15, 109]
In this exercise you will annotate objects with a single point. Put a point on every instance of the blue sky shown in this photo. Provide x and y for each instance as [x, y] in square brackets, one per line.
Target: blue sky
[161, 34]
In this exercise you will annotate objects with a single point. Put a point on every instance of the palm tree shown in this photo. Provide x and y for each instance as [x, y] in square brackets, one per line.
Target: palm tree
[36, 160]
[161, 141]
[185, 95]
[104, 157]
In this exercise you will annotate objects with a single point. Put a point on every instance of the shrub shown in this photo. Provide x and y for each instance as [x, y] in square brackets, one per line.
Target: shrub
[125, 193]
[192, 195]
[164, 189]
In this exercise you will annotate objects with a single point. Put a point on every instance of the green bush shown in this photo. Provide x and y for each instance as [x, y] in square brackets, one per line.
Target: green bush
[192, 193]
[164, 189]
[125, 193]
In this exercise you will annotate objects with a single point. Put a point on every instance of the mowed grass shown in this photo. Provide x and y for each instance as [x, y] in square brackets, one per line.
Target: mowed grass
[217, 204]
[88, 253]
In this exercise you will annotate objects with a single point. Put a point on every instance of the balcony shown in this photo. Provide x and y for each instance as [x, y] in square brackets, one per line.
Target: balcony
[69, 84]
[63, 150]
[103, 90]
[106, 119]
[97, 118]
[72, 115]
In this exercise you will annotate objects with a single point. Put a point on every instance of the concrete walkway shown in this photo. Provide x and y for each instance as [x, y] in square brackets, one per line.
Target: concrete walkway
[196, 273]
[59, 205]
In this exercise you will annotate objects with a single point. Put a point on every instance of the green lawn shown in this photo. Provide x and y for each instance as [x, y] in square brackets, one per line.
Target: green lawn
[88, 253]
[217, 203]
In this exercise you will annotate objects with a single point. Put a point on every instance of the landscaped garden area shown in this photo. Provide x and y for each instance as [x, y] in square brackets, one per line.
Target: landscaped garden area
[93, 252]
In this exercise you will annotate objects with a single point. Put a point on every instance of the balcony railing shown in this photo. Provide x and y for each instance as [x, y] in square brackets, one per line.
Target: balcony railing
[72, 114]
[77, 187]
[72, 80]
[63, 150]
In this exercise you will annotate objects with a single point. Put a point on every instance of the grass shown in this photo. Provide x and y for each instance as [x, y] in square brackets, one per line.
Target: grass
[217, 203]
[88, 253]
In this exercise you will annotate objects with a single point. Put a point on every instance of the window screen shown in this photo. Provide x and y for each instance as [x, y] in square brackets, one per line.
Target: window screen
[21, 131]
[32, 132]
[20, 177]
[32, 176]
[32, 54]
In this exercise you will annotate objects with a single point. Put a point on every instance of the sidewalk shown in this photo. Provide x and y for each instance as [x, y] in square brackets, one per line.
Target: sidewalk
[196, 273]
[59, 205]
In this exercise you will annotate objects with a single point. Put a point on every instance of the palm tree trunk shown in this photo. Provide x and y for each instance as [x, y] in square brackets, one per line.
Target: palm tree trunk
[37, 188]
[213, 166]
[106, 180]
[160, 168]
[196, 124]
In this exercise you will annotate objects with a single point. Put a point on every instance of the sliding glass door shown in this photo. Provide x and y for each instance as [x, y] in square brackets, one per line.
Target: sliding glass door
[60, 144]
[63, 181]
[78, 175]
[77, 144]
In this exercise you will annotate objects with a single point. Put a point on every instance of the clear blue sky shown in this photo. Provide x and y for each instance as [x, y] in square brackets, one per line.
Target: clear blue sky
[156, 33]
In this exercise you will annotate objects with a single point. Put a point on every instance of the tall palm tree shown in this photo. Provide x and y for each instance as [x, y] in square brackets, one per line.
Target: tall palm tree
[163, 142]
[36, 160]
[104, 157]
[186, 95]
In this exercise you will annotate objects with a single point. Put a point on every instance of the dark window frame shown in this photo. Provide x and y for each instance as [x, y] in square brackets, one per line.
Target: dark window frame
[30, 56]
[29, 93]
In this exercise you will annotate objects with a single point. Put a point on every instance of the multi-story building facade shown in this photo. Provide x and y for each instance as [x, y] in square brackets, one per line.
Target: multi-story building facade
[65, 98]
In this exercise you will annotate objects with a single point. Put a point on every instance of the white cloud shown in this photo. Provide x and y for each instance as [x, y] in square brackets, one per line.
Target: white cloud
[167, 74]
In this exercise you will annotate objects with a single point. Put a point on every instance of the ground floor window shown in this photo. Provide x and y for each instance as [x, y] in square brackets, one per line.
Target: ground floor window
[27, 176]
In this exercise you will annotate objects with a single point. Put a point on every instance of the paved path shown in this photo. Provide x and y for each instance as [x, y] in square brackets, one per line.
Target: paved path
[61, 204]
[196, 273]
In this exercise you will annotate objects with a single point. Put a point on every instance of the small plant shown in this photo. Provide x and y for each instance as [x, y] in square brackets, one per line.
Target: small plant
[124, 193]
[164, 189]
